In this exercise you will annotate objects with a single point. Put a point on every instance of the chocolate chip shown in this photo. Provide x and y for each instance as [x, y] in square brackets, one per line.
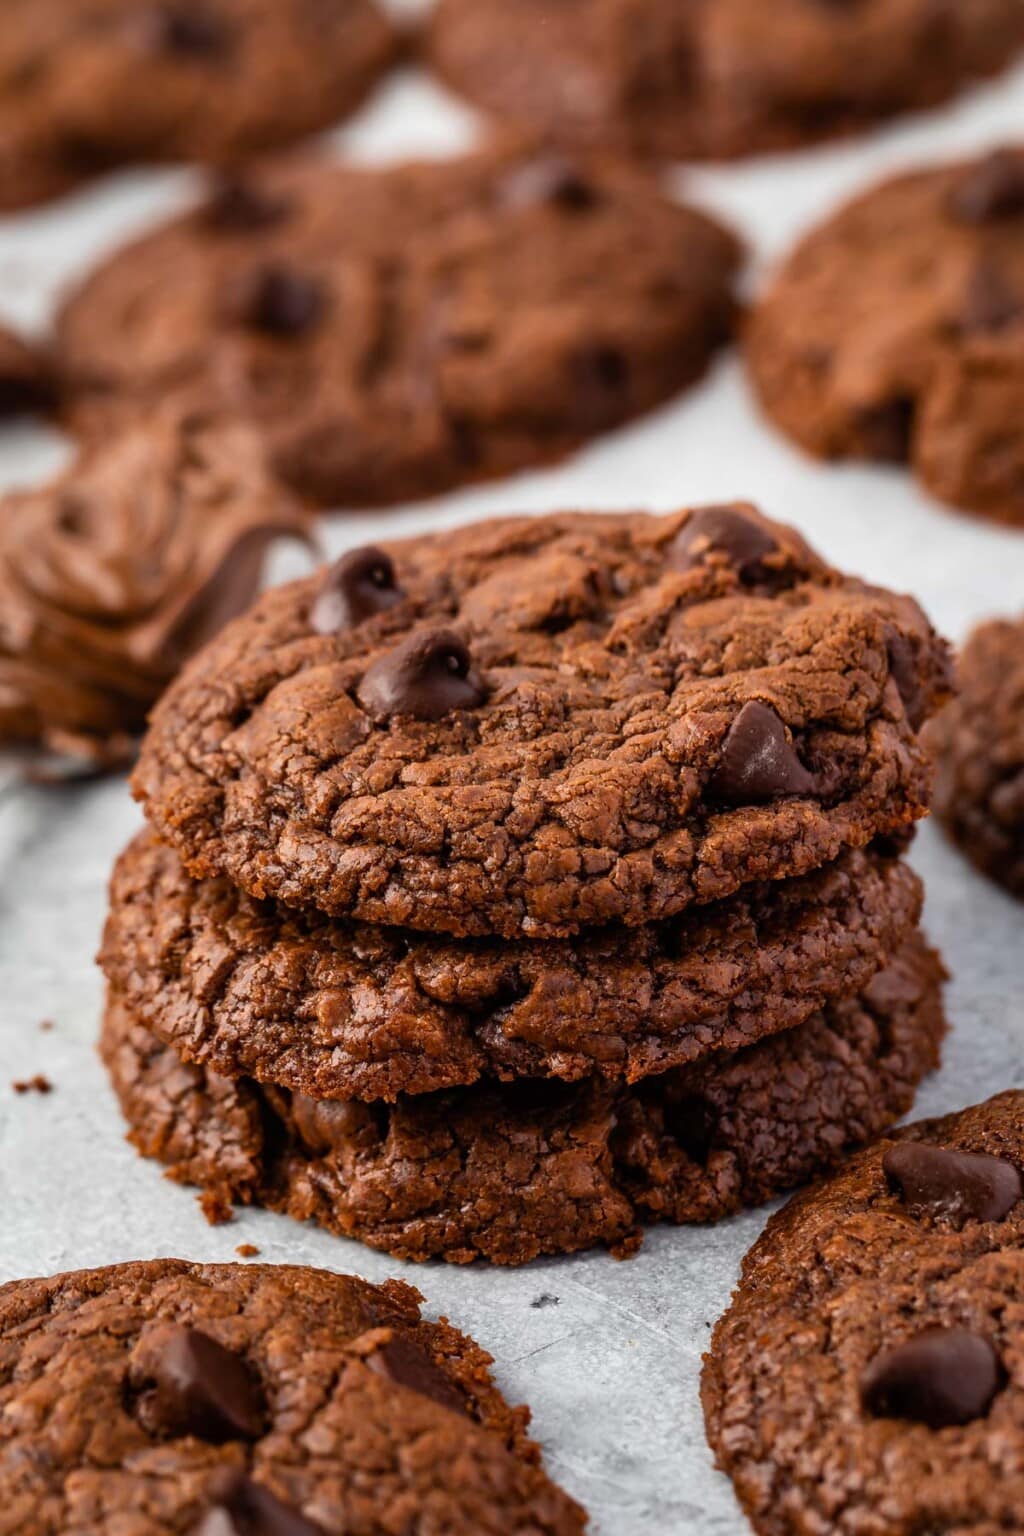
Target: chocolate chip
[722, 531]
[356, 587]
[278, 301]
[599, 384]
[194, 1386]
[237, 206]
[240, 1507]
[885, 430]
[553, 180]
[990, 190]
[404, 1363]
[327, 1125]
[954, 1186]
[942, 1376]
[428, 676]
[990, 304]
[758, 761]
[903, 668]
[187, 30]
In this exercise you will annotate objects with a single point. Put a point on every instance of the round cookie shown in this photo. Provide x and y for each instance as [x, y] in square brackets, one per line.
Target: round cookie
[90, 84]
[868, 1375]
[338, 1010]
[894, 331]
[510, 1172]
[395, 332]
[253, 1400]
[979, 743]
[119, 569]
[715, 80]
[530, 726]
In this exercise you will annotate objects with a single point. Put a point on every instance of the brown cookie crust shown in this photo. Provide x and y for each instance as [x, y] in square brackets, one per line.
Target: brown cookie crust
[398, 331]
[90, 84]
[115, 572]
[893, 332]
[345, 1010]
[717, 80]
[79, 1451]
[508, 1173]
[595, 776]
[979, 743]
[845, 1273]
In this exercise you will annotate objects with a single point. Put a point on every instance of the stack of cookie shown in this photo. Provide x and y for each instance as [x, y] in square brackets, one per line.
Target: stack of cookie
[508, 888]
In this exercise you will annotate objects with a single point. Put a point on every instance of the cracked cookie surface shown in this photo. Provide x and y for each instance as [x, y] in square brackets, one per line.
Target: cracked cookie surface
[115, 572]
[868, 1374]
[399, 331]
[510, 1172]
[979, 743]
[893, 332]
[86, 85]
[163, 1398]
[346, 1010]
[548, 723]
[719, 78]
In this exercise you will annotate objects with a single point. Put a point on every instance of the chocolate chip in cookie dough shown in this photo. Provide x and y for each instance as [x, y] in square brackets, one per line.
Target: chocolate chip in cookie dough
[278, 301]
[725, 531]
[186, 30]
[357, 586]
[758, 762]
[940, 1377]
[403, 1362]
[951, 1185]
[554, 180]
[244, 1508]
[194, 1386]
[428, 676]
[238, 205]
[991, 189]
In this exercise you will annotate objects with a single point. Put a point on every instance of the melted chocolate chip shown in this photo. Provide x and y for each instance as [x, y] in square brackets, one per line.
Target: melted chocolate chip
[722, 531]
[325, 1125]
[277, 301]
[407, 1365]
[990, 304]
[554, 181]
[950, 1185]
[428, 676]
[356, 587]
[942, 1376]
[239, 206]
[758, 762]
[194, 1386]
[186, 30]
[903, 668]
[990, 190]
[240, 1507]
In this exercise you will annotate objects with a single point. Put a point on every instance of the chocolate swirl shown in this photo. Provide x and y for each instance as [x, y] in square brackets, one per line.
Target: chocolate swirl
[112, 575]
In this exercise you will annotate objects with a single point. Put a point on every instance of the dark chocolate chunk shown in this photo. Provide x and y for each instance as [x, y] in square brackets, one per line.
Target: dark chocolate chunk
[404, 1363]
[240, 1507]
[955, 1186]
[552, 179]
[722, 531]
[428, 676]
[356, 587]
[992, 189]
[277, 301]
[188, 30]
[240, 206]
[942, 1376]
[758, 762]
[195, 1386]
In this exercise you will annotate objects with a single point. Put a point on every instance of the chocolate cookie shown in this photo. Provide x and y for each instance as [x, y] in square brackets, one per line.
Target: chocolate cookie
[253, 1400]
[725, 78]
[123, 566]
[979, 743]
[396, 332]
[527, 727]
[868, 1374]
[345, 1010]
[90, 84]
[509, 1172]
[894, 331]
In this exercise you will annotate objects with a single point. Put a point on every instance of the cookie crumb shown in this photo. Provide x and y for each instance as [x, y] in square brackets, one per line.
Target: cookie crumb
[37, 1084]
[215, 1205]
[46, 1025]
[247, 1250]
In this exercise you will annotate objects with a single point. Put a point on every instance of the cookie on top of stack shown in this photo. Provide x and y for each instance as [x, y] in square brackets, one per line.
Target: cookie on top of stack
[510, 887]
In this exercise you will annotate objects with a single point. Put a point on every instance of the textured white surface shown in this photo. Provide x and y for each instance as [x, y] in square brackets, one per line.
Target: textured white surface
[611, 1369]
